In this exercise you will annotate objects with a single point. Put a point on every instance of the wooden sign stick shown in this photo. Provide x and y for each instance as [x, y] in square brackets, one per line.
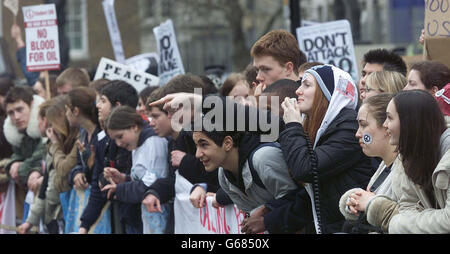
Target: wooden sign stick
[47, 85]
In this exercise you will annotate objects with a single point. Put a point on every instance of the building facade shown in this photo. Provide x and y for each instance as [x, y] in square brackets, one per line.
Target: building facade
[217, 32]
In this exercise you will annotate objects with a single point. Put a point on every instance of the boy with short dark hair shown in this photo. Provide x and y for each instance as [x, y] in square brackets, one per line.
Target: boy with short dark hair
[181, 147]
[22, 132]
[380, 60]
[108, 154]
[281, 89]
[250, 74]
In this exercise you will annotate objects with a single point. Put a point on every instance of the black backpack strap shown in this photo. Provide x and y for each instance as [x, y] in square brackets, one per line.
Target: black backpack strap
[383, 175]
[255, 176]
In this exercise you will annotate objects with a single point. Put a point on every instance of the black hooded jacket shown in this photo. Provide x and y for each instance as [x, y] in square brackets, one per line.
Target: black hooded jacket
[108, 154]
[341, 166]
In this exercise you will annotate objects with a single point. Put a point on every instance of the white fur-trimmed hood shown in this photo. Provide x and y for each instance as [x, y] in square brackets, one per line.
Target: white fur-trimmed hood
[13, 136]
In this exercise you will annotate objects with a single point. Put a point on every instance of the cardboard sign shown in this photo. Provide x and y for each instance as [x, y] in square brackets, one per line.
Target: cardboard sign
[170, 63]
[112, 70]
[41, 32]
[410, 60]
[207, 220]
[437, 31]
[330, 43]
[113, 28]
[12, 5]
[437, 18]
[437, 49]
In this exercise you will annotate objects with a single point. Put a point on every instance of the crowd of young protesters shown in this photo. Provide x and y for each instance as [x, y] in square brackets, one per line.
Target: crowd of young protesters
[99, 157]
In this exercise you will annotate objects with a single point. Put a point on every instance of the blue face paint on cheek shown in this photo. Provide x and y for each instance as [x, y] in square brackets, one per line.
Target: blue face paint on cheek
[367, 139]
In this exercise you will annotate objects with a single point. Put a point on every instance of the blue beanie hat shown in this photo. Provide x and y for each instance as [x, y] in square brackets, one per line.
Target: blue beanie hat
[325, 78]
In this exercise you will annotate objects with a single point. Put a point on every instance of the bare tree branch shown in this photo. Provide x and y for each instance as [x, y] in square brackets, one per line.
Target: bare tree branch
[272, 19]
[202, 4]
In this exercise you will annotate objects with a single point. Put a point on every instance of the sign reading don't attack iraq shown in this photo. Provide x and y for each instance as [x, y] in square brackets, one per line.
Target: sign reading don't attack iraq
[170, 63]
[112, 70]
[330, 43]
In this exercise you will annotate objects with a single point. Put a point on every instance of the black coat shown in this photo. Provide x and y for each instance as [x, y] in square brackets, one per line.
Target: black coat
[341, 166]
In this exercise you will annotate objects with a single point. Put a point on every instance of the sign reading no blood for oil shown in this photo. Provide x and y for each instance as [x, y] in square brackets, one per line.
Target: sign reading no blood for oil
[330, 43]
[41, 31]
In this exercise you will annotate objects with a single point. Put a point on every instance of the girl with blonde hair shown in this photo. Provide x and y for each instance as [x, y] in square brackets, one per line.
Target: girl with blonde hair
[384, 82]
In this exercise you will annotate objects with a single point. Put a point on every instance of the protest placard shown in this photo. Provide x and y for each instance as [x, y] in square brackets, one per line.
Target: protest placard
[437, 31]
[437, 18]
[113, 28]
[112, 70]
[42, 40]
[170, 63]
[41, 32]
[13, 6]
[207, 220]
[330, 43]
[147, 62]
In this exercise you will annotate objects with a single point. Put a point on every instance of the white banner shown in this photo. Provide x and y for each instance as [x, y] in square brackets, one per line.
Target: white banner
[41, 32]
[113, 28]
[112, 70]
[170, 63]
[208, 220]
[330, 43]
[8, 208]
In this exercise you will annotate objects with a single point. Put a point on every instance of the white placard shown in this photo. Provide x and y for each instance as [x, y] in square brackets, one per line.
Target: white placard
[113, 28]
[112, 70]
[41, 31]
[207, 220]
[330, 43]
[12, 5]
[309, 23]
[143, 61]
[170, 63]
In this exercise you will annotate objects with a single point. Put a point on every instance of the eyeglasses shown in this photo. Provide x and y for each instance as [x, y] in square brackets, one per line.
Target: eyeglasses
[368, 89]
